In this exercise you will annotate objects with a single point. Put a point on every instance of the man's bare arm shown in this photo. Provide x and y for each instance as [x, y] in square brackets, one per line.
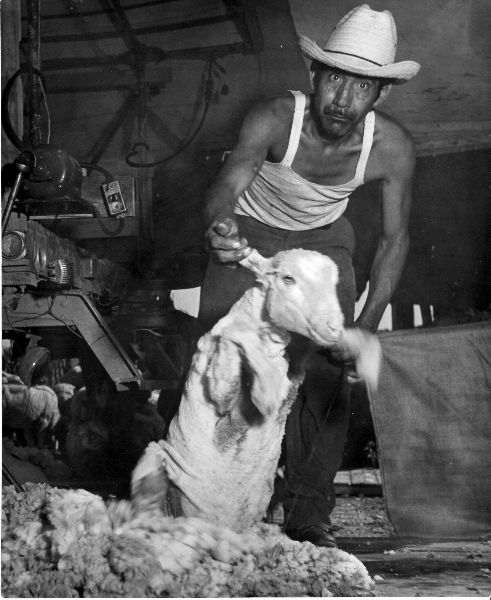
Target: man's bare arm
[394, 242]
[241, 168]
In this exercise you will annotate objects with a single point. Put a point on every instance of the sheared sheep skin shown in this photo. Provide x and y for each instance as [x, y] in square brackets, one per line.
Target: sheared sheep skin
[70, 543]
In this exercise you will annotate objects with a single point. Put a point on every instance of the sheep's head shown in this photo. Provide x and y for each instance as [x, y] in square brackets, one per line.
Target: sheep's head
[301, 293]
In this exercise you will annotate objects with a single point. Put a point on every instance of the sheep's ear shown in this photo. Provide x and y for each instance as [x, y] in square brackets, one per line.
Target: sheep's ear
[257, 263]
[223, 374]
[265, 382]
[264, 379]
[238, 354]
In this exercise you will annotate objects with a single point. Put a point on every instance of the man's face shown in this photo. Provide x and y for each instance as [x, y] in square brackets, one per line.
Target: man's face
[342, 100]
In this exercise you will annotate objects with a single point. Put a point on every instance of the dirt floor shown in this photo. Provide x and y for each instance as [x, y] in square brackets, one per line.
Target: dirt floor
[361, 517]
[410, 567]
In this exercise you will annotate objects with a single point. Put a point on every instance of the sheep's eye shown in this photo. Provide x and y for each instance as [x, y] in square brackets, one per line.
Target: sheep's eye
[288, 279]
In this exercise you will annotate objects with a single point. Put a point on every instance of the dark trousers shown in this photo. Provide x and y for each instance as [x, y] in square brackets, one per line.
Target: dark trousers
[316, 427]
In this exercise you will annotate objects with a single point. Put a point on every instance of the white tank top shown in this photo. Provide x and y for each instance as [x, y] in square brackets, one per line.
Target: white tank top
[281, 198]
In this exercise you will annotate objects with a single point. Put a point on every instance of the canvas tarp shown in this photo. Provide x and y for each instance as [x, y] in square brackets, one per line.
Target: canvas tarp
[432, 417]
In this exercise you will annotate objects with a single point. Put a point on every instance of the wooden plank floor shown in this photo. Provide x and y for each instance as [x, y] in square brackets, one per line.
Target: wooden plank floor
[367, 482]
[406, 567]
[459, 568]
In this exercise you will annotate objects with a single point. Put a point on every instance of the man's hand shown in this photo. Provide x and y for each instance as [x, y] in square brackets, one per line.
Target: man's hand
[344, 358]
[224, 243]
[361, 354]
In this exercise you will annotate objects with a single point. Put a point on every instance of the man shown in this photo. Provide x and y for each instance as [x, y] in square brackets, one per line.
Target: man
[286, 185]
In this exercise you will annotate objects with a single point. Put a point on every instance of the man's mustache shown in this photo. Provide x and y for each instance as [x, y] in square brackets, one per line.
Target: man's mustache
[337, 114]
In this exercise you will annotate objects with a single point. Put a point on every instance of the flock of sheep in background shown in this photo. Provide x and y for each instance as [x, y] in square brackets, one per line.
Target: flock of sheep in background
[65, 433]
[194, 524]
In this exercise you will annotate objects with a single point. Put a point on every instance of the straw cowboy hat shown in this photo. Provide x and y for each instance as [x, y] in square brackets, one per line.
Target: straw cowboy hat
[364, 42]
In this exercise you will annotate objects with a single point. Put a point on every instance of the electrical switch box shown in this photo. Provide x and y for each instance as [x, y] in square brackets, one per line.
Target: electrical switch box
[113, 199]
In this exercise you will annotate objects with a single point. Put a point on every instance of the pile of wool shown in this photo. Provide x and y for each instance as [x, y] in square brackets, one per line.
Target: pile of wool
[70, 543]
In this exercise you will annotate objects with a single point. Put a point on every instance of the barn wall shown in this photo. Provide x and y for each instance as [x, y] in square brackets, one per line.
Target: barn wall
[449, 262]
[446, 107]
[172, 114]
[448, 265]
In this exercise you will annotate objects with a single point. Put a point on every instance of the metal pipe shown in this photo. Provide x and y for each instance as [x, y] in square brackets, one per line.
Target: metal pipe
[24, 164]
[10, 202]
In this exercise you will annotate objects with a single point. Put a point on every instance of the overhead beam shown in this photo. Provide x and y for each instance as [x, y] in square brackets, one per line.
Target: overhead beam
[103, 35]
[117, 16]
[244, 16]
[91, 81]
[146, 53]
[58, 64]
[139, 53]
[97, 13]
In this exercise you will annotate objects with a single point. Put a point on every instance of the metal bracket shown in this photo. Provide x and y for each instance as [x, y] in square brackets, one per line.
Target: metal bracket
[74, 309]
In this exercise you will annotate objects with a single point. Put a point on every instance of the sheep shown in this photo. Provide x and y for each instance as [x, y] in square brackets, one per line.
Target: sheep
[222, 449]
[33, 409]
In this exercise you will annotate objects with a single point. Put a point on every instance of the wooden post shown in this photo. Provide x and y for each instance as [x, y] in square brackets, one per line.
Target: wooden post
[10, 37]
[402, 316]
[144, 201]
[34, 49]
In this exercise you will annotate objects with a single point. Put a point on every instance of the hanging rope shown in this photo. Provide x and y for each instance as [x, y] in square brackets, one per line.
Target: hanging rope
[6, 121]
